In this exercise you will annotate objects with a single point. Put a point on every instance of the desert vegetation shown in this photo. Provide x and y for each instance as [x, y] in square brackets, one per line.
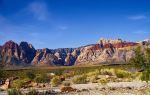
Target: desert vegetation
[138, 69]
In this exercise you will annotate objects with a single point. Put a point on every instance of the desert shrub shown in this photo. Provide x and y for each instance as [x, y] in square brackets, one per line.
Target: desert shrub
[55, 81]
[66, 83]
[103, 81]
[93, 73]
[32, 92]
[145, 76]
[41, 78]
[106, 71]
[78, 79]
[14, 92]
[122, 73]
[58, 71]
[69, 74]
[30, 75]
[17, 83]
[2, 73]
[93, 79]
[112, 79]
[136, 75]
[92, 76]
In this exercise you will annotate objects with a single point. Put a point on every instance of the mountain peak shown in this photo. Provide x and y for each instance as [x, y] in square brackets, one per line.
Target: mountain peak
[26, 45]
[105, 51]
[107, 41]
[10, 44]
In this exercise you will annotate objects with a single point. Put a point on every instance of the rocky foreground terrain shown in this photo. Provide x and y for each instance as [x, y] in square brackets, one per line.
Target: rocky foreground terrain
[104, 51]
[114, 88]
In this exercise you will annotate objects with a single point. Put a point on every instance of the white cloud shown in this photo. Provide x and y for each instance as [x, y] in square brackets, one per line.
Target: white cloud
[137, 17]
[39, 10]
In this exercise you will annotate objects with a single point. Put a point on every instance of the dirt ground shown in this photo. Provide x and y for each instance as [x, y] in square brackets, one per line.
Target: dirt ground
[145, 91]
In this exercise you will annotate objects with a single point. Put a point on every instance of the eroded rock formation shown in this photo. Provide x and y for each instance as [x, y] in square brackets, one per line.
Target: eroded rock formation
[104, 51]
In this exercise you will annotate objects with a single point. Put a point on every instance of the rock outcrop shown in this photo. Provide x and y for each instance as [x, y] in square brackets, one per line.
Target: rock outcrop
[14, 54]
[107, 41]
[44, 57]
[6, 85]
[27, 52]
[10, 53]
[56, 57]
[145, 42]
[104, 51]
[107, 54]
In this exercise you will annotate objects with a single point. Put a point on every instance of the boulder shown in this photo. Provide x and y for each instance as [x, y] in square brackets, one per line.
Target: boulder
[34, 84]
[6, 85]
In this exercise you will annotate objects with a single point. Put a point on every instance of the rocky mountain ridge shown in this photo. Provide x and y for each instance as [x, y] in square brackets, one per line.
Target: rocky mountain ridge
[104, 51]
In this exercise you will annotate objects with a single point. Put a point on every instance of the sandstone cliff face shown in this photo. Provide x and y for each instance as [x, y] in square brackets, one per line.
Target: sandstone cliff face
[109, 54]
[107, 41]
[105, 51]
[44, 57]
[14, 54]
[56, 57]
[10, 53]
[145, 42]
[27, 52]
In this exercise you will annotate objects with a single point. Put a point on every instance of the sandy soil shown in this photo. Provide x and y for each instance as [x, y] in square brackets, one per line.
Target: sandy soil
[145, 91]
[113, 88]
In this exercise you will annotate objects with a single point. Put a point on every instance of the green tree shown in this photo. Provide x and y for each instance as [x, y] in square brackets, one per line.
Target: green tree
[142, 60]
[147, 57]
[138, 59]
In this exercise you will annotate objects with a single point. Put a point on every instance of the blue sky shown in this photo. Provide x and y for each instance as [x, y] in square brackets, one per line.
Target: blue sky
[73, 23]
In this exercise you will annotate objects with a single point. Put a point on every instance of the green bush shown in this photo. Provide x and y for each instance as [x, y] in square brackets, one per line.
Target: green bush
[68, 74]
[103, 81]
[106, 71]
[93, 79]
[30, 75]
[17, 83]
[122, 73]
[42, 78]
[79, 79]
[55, 81]
[136, 75]
[14, 92]
[66, 83]
[93, 73]
[145, 76]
